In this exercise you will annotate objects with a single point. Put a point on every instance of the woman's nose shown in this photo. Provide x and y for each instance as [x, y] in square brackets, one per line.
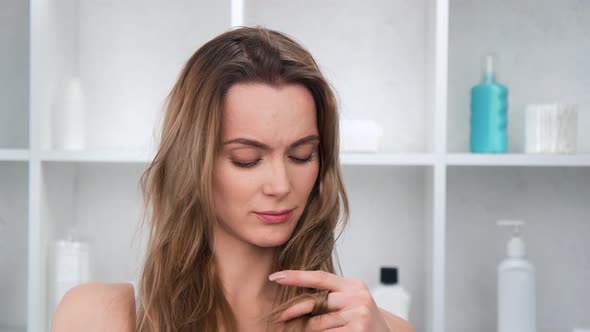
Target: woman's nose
[278, 182]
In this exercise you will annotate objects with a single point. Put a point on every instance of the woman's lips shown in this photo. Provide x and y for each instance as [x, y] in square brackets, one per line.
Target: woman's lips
[274, 219]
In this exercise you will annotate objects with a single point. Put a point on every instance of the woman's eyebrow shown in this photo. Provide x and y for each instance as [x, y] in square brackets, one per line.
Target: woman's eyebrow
[263, 146]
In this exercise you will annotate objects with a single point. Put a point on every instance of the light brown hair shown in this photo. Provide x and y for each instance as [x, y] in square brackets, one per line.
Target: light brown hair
[179, 287]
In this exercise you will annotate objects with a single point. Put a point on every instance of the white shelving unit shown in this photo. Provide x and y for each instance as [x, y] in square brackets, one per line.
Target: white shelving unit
[14, 155]
[510, 159]
[423, 203]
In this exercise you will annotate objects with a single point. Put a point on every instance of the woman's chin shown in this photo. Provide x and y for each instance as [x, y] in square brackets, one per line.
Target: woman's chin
[272, 240]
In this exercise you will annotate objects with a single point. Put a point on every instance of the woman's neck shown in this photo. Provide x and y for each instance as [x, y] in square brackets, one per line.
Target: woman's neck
[243, 271]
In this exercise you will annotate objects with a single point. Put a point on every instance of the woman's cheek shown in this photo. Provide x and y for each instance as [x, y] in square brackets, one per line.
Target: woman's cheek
[311, 175]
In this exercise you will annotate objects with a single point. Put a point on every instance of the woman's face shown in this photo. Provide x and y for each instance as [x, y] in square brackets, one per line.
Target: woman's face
[264, 165]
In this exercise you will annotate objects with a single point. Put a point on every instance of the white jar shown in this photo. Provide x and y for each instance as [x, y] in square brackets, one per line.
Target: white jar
[551, 128]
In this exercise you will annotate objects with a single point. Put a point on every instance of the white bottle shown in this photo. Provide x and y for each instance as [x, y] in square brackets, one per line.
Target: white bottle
[390, 295]
[516, 286]
[71, 134]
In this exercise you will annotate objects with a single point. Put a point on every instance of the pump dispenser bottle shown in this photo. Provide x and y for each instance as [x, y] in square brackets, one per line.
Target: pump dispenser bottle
[516, 285]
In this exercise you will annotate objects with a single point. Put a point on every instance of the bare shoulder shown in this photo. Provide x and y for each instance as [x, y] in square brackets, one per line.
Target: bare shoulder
[96, 305]
[396, 324]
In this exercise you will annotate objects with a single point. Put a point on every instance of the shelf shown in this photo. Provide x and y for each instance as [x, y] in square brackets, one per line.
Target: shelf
[14, 155]
[418, 159]
[400, 227]
[539, 47]
[461, 159]
[100, 156]
[127, 61]
[346, 159]
[388, 80]
[138, 156]
[553, 203]
[103, 202]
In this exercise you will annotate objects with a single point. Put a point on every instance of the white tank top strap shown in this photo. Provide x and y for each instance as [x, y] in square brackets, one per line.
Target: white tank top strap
[135, 295]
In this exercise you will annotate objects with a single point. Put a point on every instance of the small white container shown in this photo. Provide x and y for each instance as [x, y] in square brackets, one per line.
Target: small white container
[390, 295]
[359, 136]
[551, 128]
[69, 266]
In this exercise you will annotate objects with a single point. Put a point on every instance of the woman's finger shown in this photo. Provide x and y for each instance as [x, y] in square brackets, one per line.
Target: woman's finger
[326, 321]
[330, 321]
[335, 301]
[313, 279]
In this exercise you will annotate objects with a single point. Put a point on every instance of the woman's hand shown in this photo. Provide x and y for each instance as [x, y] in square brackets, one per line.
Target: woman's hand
[350, 304]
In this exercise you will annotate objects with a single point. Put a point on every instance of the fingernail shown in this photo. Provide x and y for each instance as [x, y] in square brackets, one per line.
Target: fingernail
[276, 276]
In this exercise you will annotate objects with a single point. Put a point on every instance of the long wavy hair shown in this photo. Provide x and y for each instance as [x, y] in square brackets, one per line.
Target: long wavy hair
[179, 288]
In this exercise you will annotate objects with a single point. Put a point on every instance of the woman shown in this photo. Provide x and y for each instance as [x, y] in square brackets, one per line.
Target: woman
[245, 184]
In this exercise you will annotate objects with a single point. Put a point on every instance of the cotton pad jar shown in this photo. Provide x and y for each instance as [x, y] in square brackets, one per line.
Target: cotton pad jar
[551, 128]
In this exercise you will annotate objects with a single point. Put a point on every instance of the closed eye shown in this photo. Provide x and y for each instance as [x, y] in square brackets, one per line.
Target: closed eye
[245, 165]
[254, 163]
[302, 161]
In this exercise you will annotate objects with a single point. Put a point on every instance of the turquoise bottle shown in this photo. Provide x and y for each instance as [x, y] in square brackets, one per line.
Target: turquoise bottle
[489, 118]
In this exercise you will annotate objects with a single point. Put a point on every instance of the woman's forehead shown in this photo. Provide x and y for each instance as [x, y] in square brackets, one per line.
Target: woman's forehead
[268, 114]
